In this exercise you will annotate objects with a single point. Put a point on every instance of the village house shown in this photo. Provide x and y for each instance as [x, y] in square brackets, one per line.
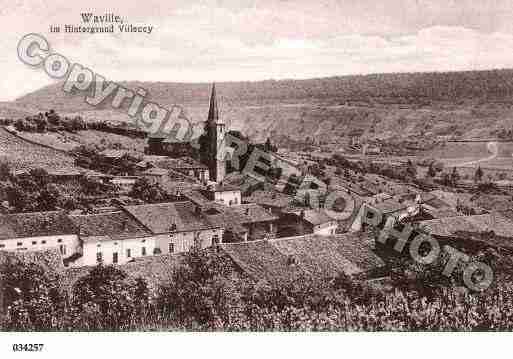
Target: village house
[319, 222]
[177, 226]
[259, 222]
[124, 183]
[156, 175]
[115, 157]
[39, 231]
[246, 222]
[111, 238]
[306, 221]
[115, 235]
[224, 194]
[184, 165]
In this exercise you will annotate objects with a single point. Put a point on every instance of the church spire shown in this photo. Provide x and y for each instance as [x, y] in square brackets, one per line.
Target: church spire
[213, 113]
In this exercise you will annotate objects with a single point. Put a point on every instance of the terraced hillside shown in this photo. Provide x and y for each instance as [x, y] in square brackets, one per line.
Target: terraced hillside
[24, 155]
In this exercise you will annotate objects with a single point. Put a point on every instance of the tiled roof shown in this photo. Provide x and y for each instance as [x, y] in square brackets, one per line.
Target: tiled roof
[161, 217]
[196, 197]
[276, 199]
[227, 221]
[173, 186]
[37, 224]
[157, 270]
[251, 213]
[262, 261]
[108, 226]
[284, 259]
[316, 217]
[223, 187]
[316, 255]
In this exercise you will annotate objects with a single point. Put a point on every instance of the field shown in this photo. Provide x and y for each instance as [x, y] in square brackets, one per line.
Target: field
[67, 141]
[23, 155]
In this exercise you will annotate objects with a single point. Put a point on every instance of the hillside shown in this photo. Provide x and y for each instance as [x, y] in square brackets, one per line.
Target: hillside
[469, 104]
[412, 88]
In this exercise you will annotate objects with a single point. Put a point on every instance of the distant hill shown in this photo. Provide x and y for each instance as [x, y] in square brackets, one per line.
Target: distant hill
[469, 104]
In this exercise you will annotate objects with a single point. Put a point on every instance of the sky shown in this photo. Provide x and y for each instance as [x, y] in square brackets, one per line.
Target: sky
[248, 40]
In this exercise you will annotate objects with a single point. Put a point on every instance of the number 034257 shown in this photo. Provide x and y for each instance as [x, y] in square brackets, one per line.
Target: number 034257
[27, 347]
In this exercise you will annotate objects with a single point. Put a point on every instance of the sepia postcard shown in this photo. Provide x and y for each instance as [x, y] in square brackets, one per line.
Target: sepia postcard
[253, 166]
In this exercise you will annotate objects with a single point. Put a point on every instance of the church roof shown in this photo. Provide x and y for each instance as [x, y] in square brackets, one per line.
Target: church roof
[213, 112]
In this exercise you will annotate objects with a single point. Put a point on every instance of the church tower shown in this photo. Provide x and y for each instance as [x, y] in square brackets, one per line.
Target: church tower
[214, 137]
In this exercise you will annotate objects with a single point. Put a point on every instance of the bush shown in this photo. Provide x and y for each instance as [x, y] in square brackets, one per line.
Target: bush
[109, 294]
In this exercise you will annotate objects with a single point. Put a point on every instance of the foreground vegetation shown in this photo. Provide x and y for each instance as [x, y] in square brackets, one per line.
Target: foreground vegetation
[205, 293]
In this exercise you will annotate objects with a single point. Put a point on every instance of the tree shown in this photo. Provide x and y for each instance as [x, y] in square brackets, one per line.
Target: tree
[431, 171]
[40, 175]
[268, 147]
[478, 175]
[5, 170]
[455, 176]
[202, 290]
[411, 169]
[108, 291]
[446, 179]
[31, 295]
[50, 198]
[150, 193]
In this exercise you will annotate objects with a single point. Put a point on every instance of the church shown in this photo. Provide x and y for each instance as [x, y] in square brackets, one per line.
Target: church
[211, 142]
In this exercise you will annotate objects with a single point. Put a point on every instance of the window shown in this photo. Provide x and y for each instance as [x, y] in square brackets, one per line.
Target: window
[34, 243]
[59, 241]
[128, 253]
[144, 240]
[171, 247]
[115, 257]
[143, 251]
[62, 249]
[19, 244]
[2, 245]
[98, 245]
[99, 257]
[43, 242]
